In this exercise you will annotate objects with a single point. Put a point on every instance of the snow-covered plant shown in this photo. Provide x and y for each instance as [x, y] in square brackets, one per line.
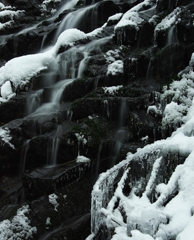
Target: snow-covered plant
[179, 98]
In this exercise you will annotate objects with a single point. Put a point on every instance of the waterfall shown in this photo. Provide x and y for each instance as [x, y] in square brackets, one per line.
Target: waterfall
[58, 88]
[76, 19]
[172, 35]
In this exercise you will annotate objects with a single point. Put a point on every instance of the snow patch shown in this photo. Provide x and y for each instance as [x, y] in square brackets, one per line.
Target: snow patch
[115, 68]
[5, 136]
[82, 159]
[112, 90]
[53, 200]
[169, 20]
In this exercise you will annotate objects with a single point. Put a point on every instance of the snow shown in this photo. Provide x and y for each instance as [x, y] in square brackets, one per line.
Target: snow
[48, 222]
[20, 70]
[53, 200]
[5, 136]
[68, 37]
[112, 56]
[82, 159]
[6, 89]
[112, 90]
[96, 31]
[115, 17]
[2, 5]
[131, 17]
[115, 68]
[169, 20]
[170, 214]
[17, 228]
[10, 13]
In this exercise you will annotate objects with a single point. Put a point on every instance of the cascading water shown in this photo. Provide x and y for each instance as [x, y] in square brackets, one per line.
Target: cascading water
[76, 19]
[49, 99]
[52, 150]
[33, 101]
[121, 132]
[172, 35]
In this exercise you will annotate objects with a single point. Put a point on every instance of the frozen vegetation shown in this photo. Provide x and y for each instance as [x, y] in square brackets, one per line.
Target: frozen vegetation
[164, 209]
[17, 228]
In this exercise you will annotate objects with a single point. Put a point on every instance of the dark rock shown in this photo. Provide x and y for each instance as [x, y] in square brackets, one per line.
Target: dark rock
[74, 202]
[46, 180]
[14, 108]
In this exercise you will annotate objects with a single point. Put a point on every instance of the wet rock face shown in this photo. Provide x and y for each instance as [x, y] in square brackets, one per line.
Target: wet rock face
[90, 118]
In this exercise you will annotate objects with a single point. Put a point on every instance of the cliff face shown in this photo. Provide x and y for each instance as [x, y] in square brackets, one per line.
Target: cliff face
[84, 85]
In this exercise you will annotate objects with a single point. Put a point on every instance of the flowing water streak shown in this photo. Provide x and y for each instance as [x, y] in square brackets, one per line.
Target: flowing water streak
[121, 132]
[52, 152]
[33, 101]
[58, 89]
[76, 19]
[97, 165]
[70, 62]
[23, 157]
[172, 35]
[83, 64]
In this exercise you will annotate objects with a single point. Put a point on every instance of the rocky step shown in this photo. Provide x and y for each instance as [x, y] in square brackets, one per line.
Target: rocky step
[46, 180]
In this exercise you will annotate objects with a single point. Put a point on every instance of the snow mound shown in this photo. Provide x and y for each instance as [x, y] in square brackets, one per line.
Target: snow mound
[82, 159]
[68, 37]
[18, 72]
